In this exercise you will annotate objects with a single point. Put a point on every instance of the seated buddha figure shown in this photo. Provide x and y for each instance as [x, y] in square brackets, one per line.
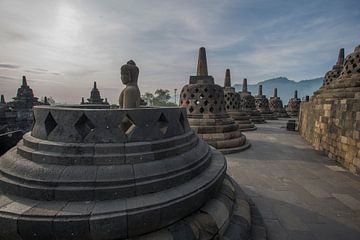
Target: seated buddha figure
[130, 96]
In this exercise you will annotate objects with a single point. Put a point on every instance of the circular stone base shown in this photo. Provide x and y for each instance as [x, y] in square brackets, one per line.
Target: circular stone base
[241, 148]
[229, 214]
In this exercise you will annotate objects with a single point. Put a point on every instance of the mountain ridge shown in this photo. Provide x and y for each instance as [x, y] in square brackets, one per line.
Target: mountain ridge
[285, 86]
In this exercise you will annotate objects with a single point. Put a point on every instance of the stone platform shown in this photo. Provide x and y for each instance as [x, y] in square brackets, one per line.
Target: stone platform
[110, 174]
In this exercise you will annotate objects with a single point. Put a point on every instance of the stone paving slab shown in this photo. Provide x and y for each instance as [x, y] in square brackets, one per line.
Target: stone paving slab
[301, 193]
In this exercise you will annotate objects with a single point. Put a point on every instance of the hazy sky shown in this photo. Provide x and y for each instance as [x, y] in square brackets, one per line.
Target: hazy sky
[63, 46]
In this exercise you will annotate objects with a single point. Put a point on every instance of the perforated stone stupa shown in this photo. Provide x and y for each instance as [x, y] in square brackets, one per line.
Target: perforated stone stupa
[334, 73]
[205, 105]
[330, 120]
[87, 173]
[293, 106]
[276, 105]
[247, 104]
[262, 105]
[232, 105]
[95, 97]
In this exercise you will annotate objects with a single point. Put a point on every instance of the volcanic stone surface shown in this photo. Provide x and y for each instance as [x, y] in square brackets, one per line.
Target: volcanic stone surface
[104, 174]
[232, 105]
[205, 105]
[330, 120]
[293, 106]
[276, 105]
[247, 104]
[262, 105]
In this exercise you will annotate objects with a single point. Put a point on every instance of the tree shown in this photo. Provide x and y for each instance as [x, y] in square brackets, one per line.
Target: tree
[50, 100]
[148, 98]
[162, 98]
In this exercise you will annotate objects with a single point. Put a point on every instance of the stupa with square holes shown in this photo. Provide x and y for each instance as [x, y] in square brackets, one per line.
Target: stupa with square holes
[205, 105]
[262, 105]
[247, 104]
[276, 105]
[232, 105]
[293, 106]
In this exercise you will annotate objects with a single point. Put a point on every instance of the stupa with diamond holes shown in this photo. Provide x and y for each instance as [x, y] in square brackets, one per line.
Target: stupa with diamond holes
[95, 97]
[276, 105]
[247, 104]
[334, 73]
[262, 105]
[205, 105]
[330, 120]
[293, 106]
[95, 173]
[232, 105]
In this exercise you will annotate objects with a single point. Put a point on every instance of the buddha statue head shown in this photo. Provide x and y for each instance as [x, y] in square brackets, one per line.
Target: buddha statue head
[129, 73]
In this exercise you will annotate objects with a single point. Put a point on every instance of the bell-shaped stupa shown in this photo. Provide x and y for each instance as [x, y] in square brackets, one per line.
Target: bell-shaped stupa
[95, 97]
[276, 105]
[330, 120]
[293, 106]
[205, 105]
[232, 105]
[334, 73]
[262, 105]
[130, 173]
[247, 104]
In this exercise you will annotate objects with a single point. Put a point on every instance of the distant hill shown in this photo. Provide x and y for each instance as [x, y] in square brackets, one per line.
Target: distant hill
[285, 87]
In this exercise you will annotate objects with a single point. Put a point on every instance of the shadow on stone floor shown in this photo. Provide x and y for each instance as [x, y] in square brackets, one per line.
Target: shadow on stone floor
[285, 220]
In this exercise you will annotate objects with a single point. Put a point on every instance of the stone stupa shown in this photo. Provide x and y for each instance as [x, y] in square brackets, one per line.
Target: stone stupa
[232, 105]
[262, 105]
[129, 173]
[276, 105]
[334, 73]
[293, 106]
[205, 105]
[25, 98]
[247, 104]
[330, 120]
[95, 97]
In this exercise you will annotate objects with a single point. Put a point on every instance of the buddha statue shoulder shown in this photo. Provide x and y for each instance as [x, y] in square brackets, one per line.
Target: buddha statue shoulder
[130, 96]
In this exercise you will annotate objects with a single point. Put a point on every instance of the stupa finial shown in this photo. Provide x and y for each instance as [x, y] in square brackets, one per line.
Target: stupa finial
[227, 81]
[296, 94]
[95, 87]
[202, 69]
[275, 92]
[260, 90]
[2, 99]
[340, 60]
[244, 87]
[24, 83]
[82, 100]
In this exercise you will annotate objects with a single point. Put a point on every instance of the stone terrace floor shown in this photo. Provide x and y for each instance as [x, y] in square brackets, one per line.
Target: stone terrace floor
[301, 193]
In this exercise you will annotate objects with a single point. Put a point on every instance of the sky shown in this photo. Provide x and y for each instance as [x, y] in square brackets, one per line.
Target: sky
[63, 46]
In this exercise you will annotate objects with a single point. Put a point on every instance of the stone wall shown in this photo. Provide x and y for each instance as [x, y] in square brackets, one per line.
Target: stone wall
[333, 126]
[330, 121]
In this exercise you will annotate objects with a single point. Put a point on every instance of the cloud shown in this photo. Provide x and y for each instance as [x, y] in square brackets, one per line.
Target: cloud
[8, 66]
[71, 44]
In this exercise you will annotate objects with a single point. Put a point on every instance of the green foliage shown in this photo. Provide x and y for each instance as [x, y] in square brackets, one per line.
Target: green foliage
[161, 97]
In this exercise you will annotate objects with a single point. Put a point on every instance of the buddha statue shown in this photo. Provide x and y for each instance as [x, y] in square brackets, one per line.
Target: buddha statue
[130, 96]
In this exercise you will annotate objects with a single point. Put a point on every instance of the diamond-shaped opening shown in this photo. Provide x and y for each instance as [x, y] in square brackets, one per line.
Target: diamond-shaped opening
[163, 123]
[215, 102]
[205, 89]
[187, 102]
[127, 125]
[182, 121]
[191, 109]
[84, 126]
[211, 109]
[50, 124]
[201, 109]
[196, 90]
[201, 96]
[192, 95]
[206, 103]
